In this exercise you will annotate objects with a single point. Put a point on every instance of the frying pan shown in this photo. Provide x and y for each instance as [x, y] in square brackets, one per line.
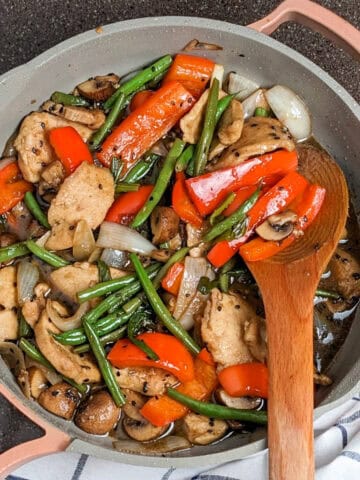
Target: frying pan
[127, 46]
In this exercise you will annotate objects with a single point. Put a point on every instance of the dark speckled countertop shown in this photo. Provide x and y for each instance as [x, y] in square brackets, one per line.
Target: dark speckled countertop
[29, 27]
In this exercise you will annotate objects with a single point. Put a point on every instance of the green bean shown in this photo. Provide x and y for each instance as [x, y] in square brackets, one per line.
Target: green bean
[104, 366]
[103, 327]
[238, 216]
[104, 271]
[140, 79]
[105, 129]
[153, 83]
[127, 187]
[205, 285]
[133, 329]
[141, 169]
[161, 183]
[24, 328]
[217, 212]
[176, 257]
[13, 251]
[34, 207]
[327, 294]
[45, 255]
[202, 148]
[68, 99]
[159, 308]
[32, 352]
[213, 410]
[262, 112]
[224, 282]
[109, 286]
[133, 304]
[117, 299]
[104, 340]
[222, 105]
[184, 159]
[116, 167]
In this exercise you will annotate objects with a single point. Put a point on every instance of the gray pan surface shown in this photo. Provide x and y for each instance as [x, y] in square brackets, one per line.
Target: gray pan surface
[129, 45]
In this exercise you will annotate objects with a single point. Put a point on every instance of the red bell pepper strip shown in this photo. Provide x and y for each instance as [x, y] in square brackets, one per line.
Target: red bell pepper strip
[127, 205]
[207, 191]
[245, 379]
[69, 148]
[147, 124]
[12, 187]
[173, 356]
[140, 98]
[182, 204]
[172, 280]
[163, 410]
[191, 71]
[307, 210]
[206, 356]
[273, 201]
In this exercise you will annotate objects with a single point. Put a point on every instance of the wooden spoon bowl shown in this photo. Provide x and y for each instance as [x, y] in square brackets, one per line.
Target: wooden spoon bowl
[287, 283]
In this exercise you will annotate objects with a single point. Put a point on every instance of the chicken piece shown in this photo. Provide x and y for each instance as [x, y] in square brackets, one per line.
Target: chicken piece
[191, 123]
[255, 337]
[81, 369]
[8, 325]
[259, 135]
[227, 318]
[216, 149]
[79, 276]
[32, 309]
[164, 224]
[231, 123]
[201, 430]
[93, 118]
[32, 144]
[51, 177]
[146, 380]
[345, 272]
[8, 291]
[87, 195]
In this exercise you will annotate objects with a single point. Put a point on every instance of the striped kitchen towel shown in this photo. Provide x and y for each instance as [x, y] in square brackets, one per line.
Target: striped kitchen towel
[337, 451]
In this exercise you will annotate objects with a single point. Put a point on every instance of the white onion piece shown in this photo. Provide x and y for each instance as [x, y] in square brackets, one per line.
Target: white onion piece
[195, 268]
[240, 85]
[115, 258]
[290, 109]
[4, 162]
[43, 239]
[252, 102]
[120, 237]
[167, 444]
[57, 313]
[84, 242]
[196, 305]
[218, 73]
[14, 358]
[51, 376]
[27, 277]
[159, 148]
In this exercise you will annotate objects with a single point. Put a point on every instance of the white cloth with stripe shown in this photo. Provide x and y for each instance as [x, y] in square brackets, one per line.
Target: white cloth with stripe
[337, 451]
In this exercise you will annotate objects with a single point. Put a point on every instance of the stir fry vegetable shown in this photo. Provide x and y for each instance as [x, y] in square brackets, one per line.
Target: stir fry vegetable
[127, 209]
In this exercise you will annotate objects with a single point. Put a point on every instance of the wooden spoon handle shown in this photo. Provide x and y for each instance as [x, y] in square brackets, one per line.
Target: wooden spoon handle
[289, 317]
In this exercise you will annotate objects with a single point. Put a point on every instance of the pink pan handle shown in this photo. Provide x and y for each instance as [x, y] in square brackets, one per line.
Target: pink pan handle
[317, 18]
[52, 441]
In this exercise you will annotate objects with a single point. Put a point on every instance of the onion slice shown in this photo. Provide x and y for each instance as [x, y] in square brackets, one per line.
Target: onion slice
[250, 103]
[84, 242]
[27, 277]
[51, 376]
[167, 444]
[14, 358]
[119, 237]
[290, 109]
[56, 313]
[242, 86]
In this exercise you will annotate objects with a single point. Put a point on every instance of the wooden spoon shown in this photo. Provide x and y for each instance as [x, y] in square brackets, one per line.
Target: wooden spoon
[287, 283]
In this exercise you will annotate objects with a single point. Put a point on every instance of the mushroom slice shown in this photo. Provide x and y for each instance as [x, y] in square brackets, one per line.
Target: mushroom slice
[134, 402]
[98, 414]
[242, 403]
[60, 399]
[164, 224]
[142, 430]
[99, 88]
[231, 123]
[278, 226]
